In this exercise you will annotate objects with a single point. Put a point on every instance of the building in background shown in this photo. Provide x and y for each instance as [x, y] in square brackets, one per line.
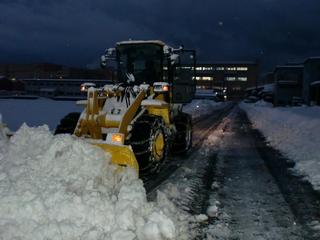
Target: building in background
[235, 77]
[50, 80]
[52, 71]
[10, 85]
[59, 88]
[288, 82]
[311, 81]
[267, 78]
[56, 80]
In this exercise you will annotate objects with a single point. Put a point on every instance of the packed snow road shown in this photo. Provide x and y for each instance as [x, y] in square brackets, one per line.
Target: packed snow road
[253, 205]
[228, 184]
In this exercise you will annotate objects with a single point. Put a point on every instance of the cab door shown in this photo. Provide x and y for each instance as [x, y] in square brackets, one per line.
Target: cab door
[183, 71]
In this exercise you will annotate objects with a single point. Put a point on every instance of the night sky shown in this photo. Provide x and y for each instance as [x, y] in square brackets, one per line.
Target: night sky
[76, 32]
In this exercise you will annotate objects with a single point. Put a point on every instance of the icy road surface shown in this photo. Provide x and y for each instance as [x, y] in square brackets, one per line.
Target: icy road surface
[253, 206]
[226, 183]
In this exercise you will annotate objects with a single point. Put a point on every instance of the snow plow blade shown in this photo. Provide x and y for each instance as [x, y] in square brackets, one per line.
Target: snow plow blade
[121, 155]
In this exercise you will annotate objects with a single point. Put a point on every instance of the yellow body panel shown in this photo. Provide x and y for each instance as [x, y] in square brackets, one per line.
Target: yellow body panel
[160, 111]
[106, 123]
[121, 155]
[130, 113]
[91, 124]
[158, 147]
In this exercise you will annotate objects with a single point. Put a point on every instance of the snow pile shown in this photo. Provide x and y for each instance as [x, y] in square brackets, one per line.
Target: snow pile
[294, 131]
[60, 187]
[4, 131]
[200, 107]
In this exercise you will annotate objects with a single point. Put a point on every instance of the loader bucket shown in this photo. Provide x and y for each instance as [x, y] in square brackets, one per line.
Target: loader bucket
[121, 155]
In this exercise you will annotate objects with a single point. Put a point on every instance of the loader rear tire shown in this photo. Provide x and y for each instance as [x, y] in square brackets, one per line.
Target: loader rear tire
[68, 123]
[183, 139]
[149, 141]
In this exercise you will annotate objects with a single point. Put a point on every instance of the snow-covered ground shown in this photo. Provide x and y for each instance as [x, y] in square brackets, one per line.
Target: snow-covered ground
[35, 112]
[60, 187]
[294, 131]
[41, 111]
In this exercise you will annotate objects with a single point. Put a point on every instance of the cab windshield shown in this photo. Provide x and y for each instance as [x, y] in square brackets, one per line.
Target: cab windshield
[140, 63]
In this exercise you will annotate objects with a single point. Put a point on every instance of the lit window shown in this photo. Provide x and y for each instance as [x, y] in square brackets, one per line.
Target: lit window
[199, 68]
[220, 68]
[230, 78]
[207, 68]
[207, 78]
[198, 78]
[243, 79]
[242, 69]
[231, 68]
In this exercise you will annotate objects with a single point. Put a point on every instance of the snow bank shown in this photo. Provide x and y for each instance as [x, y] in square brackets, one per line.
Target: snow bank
[35, 112]
[3, 136]
[200, 107]
[294, 131]
[60, 187]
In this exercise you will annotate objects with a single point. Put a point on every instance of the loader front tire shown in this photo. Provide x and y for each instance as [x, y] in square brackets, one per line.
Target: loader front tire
[68, 123]
[149, 142]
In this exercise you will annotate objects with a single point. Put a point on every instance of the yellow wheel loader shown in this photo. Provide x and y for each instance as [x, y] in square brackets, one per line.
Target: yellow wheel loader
[139, 119]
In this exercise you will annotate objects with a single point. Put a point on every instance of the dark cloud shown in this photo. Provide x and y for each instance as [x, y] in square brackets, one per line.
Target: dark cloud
[76, 32]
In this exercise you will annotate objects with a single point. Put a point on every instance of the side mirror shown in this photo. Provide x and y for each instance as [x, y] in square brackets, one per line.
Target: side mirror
[103, 61]
[174, 59]
[109, 54]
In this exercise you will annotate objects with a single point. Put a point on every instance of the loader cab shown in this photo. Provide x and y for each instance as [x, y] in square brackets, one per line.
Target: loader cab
[149, 62]
[139, 62]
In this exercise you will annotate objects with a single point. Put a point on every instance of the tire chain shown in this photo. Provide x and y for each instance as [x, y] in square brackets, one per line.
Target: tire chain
[152, 165]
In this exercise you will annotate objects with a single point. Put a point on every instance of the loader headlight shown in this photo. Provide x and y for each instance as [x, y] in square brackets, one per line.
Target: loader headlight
[115, 138]
[165, 88]
[160, 87]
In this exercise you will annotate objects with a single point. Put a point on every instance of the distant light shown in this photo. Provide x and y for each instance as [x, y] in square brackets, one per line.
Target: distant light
[220, 23]
[13, 79]
[197, 106]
